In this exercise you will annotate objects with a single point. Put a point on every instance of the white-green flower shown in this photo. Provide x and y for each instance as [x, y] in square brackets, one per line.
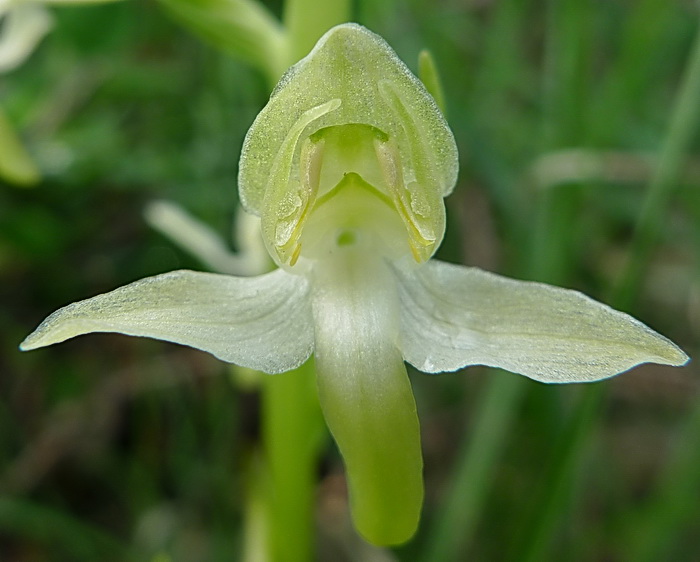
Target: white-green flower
[347, 167]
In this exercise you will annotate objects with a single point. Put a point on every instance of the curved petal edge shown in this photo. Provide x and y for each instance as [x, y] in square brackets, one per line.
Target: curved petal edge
[454, 316]
[262, 322]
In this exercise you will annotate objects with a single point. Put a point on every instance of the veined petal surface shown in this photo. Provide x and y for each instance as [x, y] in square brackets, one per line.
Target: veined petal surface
[453, 316]
[263, 322]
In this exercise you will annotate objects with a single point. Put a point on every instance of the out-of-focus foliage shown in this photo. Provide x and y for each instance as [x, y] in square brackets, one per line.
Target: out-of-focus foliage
[113, 448]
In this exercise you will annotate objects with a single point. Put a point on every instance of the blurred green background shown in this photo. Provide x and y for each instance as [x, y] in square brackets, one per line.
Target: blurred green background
[116, 448]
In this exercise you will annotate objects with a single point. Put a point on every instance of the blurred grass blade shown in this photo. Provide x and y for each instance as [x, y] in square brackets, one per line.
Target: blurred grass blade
[430, 76]
[305, 21]
[683, 126]
[16, 166]
[560, 480]
[625, 87]
[655, 531]
[70, 538]
[684, 122]
[242, 28]
[455, 525]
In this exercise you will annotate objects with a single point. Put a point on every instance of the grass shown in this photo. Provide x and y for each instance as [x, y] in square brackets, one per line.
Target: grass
[111, 446]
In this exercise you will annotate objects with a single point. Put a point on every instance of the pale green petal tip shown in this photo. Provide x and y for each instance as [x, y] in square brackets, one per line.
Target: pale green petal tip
[26, 23]
[50, 331]
[664, 352]
[58, 327]
[678, 358]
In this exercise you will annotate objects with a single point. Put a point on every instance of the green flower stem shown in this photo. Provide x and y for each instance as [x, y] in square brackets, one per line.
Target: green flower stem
[256, 543]
[293, 428]
[293, 437]
[306, 20]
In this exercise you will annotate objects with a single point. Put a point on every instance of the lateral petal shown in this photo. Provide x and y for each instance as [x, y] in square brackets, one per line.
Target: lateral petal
[453, 316]
[263, 322]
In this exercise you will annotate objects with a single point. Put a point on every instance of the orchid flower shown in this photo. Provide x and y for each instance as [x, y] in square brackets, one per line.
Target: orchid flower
[347, 167]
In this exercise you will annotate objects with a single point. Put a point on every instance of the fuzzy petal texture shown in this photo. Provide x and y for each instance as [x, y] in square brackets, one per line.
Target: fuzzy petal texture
[453, 316]
[353, 65]
[263, 322]
[351, 77]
